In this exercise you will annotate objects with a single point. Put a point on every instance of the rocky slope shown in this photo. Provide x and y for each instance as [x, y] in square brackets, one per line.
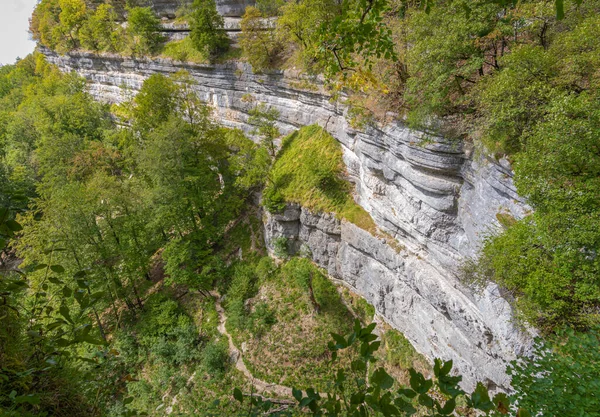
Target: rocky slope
[433, 196]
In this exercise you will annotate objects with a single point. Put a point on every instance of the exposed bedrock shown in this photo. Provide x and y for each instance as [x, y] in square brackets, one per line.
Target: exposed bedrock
[432, 195]
[167, 9]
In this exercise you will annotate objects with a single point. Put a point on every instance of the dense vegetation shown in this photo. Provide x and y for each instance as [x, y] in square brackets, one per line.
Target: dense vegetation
[115, 241]
[67, 25]
[110, 211]
[106, 274]
[510, 77]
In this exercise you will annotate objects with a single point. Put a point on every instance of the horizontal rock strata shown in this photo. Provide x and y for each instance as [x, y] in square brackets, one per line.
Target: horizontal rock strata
[167, 9]
[429, 194]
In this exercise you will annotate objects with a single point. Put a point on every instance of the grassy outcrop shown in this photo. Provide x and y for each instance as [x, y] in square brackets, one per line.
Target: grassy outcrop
[310, 171]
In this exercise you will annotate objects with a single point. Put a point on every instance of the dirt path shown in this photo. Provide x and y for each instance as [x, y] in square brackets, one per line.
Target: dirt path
[260, 386]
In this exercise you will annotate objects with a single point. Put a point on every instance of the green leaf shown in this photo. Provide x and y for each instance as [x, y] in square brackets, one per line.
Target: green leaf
[339, 340]
[560, 9]
[368, 330]
[297, 394]
[55, 280]
[357, 398]
[14, 226]
[67, 292]
[407, 393]
[62, 342]
[89, 339]
[418, 382]
[426, 400]
[446, 368]
[64, 311]
[127, 400]
[305, 401]
[502, 403]
[54, 325]
[32, 399]
[80, 274]
[405, 406]
[57, 268]
[480, 398]
[358, 365]
[382, 379]
[237, 394]
[448, 408]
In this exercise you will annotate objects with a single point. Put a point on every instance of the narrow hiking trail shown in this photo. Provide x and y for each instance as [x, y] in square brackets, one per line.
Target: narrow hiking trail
[259, 385]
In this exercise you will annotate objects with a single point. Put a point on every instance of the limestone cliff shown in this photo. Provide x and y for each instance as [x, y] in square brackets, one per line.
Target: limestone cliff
[167, 9]
[436, 199]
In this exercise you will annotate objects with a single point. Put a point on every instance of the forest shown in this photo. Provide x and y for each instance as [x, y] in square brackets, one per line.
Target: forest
[133, 268]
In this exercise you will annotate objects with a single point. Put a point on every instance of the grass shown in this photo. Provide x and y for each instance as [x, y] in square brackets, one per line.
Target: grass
[361, 308]
[310, 171]
[293, 350]
[397, 355]
[184, 51]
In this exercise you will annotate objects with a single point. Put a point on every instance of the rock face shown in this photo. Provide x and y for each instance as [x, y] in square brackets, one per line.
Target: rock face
[435, 313]
[167, 9]
[432, 196]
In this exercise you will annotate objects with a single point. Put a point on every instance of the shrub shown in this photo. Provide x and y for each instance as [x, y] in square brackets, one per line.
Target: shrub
[261, 319]
[265, 268]
[183, 50]
[273, 200]
[215, 357]
[167, 332]
[281, 247]
[243, 286]
[562, 378]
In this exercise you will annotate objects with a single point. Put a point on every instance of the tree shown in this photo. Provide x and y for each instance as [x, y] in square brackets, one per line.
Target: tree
[45, 22]
[265, 121]
[299, 24]
[155, 102]
[56, 23]
[561, 378]
[144, 30]
[98, 32]
[260, 42]
[72, 17]
[39, 373]
[542, 108]
[207, 32]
